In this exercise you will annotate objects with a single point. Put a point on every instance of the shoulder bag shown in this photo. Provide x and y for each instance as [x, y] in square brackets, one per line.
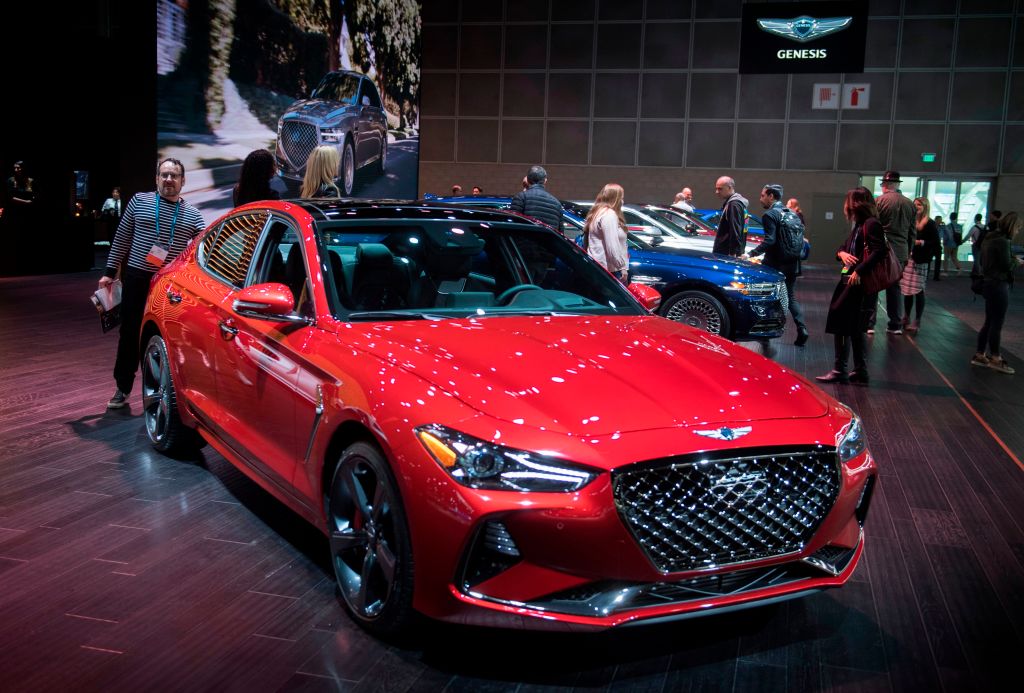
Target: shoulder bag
[885, 273]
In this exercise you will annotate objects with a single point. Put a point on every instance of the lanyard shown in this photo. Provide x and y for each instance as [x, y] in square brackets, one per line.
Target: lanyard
[174, 220]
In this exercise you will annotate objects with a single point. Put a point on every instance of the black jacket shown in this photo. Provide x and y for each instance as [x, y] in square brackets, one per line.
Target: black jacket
[731, 233]
[538, 203]
[923, 254]
[771, 220]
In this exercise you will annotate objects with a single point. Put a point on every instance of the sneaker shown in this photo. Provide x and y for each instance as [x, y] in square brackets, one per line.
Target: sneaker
[871, 330]
[897, 330]
[979, 359]
[913, 327]
[119, 400]
[998, 363]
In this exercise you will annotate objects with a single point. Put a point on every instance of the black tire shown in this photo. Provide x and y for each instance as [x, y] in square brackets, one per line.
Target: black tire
[347, 170]
[697, 309]
[370, 547]
[160, 402]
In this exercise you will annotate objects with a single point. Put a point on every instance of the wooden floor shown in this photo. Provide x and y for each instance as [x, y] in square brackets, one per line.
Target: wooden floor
[122, 570]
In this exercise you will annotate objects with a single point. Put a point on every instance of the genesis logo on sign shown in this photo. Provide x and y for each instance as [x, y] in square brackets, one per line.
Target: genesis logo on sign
[838, 30]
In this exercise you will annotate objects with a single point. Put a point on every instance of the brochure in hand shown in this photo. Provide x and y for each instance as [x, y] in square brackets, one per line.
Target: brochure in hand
[108, 304]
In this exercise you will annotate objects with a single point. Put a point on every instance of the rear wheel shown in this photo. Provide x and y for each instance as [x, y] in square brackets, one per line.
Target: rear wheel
[160, 402]
[697, 309]
[370, 547]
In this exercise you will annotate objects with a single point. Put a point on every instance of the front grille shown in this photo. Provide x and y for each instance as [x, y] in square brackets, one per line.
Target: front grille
[699, 512]
[298, 139]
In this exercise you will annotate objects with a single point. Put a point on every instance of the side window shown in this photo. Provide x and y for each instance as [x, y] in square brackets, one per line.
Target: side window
[228, 253]
[640, 225]
[280, 260]
[370, 91]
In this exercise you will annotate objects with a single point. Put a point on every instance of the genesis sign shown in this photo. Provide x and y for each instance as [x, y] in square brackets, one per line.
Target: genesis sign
[803, 37]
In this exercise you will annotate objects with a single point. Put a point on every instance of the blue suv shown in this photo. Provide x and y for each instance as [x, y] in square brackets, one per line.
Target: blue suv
[716, 293]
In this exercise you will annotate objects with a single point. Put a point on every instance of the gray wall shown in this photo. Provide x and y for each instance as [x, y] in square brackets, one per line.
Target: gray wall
[648, 92]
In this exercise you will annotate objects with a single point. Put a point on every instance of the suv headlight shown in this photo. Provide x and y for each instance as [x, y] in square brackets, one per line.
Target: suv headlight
[851, 441]
[478, 464]
[754, 289]
[332, 134]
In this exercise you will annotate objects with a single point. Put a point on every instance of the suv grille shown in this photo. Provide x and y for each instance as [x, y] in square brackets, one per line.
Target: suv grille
[698, 512]
[298, 140]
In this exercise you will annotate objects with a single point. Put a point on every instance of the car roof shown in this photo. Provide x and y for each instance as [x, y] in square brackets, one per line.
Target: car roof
[333, 209]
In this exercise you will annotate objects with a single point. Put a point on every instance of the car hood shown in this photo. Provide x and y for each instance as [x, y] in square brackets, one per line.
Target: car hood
[318, 109]
[597, 375]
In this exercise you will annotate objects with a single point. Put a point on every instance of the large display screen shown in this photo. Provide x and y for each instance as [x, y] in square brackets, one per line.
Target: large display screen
[802, 37]
[289, 76]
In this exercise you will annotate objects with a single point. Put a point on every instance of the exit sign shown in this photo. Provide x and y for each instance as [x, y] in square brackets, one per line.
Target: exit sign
[928, 157]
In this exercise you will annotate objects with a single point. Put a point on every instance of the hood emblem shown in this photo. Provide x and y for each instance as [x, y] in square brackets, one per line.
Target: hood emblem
[725, 433]
[803, 29]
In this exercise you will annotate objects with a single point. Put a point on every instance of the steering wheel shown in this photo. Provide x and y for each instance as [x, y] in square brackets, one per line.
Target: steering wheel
[507, 295]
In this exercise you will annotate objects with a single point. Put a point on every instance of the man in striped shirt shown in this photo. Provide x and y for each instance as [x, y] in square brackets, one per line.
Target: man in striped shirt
[155, 228]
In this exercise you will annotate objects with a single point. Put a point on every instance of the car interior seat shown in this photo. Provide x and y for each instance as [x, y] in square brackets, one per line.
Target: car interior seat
[295, 277]
[379, 281]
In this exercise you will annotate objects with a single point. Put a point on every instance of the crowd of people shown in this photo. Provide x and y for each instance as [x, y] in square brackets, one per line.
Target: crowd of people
[155, 227]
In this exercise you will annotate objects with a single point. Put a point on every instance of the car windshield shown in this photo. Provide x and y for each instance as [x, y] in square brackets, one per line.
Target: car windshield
[337, 87]
[452, 268]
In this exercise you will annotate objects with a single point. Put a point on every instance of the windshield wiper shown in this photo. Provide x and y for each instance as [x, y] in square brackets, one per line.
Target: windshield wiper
[392, 315]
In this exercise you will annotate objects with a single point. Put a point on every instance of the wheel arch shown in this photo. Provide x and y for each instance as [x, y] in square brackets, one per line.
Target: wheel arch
[346, 434]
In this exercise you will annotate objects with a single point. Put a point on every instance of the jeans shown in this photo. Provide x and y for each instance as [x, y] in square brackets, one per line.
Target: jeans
[794, 308]
[893, 306]
[134, 291]
[997, 300]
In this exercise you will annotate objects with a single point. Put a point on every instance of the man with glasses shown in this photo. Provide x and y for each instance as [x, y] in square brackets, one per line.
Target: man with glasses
[154, 230]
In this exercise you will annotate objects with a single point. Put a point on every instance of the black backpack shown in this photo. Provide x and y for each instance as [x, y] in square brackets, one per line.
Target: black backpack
[790, 236]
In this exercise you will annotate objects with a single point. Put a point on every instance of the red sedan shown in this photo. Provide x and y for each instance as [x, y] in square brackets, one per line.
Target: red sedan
[490, 428]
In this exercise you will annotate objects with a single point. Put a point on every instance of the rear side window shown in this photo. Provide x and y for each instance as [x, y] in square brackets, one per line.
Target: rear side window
[228, 253]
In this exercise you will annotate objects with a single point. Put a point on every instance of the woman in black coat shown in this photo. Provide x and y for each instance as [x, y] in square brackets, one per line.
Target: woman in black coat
[851, 306]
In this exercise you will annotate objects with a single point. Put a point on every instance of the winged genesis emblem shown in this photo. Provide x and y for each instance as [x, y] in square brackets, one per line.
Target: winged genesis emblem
[803, 29]
[725, 433]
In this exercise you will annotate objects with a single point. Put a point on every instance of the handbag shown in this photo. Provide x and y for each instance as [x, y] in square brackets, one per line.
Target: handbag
[885, 273]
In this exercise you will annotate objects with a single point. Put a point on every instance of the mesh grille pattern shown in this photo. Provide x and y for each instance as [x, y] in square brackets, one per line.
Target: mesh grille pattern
[689, 515]
[299, 140]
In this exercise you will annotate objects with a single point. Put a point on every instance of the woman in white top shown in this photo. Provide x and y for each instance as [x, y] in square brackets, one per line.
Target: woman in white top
[604, 233]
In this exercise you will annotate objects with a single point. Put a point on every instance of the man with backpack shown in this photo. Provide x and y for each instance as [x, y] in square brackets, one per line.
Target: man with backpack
[782, 245]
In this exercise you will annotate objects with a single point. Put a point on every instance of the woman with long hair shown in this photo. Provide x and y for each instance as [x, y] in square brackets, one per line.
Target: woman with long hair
[915, 273]
[321, 172]
[997, 265]
[254, 180]
[604, 232]
[851, 306]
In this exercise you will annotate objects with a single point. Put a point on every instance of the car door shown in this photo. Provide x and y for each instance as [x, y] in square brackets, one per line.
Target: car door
[256, 368]
[370, 127]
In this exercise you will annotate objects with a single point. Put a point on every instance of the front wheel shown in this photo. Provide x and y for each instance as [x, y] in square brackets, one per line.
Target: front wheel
[370, 547]
[698, 309]
[347, 170]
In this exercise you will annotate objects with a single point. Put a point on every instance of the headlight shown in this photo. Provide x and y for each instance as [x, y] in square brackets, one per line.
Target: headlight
[755, 289]
[645, 279]
[478, 464]
[332, 134]
[851, 441]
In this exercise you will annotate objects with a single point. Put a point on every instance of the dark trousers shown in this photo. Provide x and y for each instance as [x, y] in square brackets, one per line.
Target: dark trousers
[858, 342]
[908, 303]
[794, 308]
[997, 300]
[893, 306]
[134, 290]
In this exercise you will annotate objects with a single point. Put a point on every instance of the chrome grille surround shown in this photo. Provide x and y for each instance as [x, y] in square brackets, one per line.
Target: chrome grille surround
[298, 140]
[699, 512]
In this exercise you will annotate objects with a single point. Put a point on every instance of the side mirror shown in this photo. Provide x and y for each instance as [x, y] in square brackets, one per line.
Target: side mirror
[648, 296]
[366, 100]
[271, 301]
[656, 240]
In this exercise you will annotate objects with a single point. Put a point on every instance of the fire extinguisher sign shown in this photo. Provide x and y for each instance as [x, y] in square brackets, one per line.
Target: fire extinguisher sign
[856, 96]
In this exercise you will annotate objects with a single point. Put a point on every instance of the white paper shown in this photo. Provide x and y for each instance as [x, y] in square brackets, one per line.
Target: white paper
[107, 298]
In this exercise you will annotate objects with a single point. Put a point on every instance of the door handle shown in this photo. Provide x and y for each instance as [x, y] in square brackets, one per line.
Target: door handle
[173, 296]
[228, 329]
